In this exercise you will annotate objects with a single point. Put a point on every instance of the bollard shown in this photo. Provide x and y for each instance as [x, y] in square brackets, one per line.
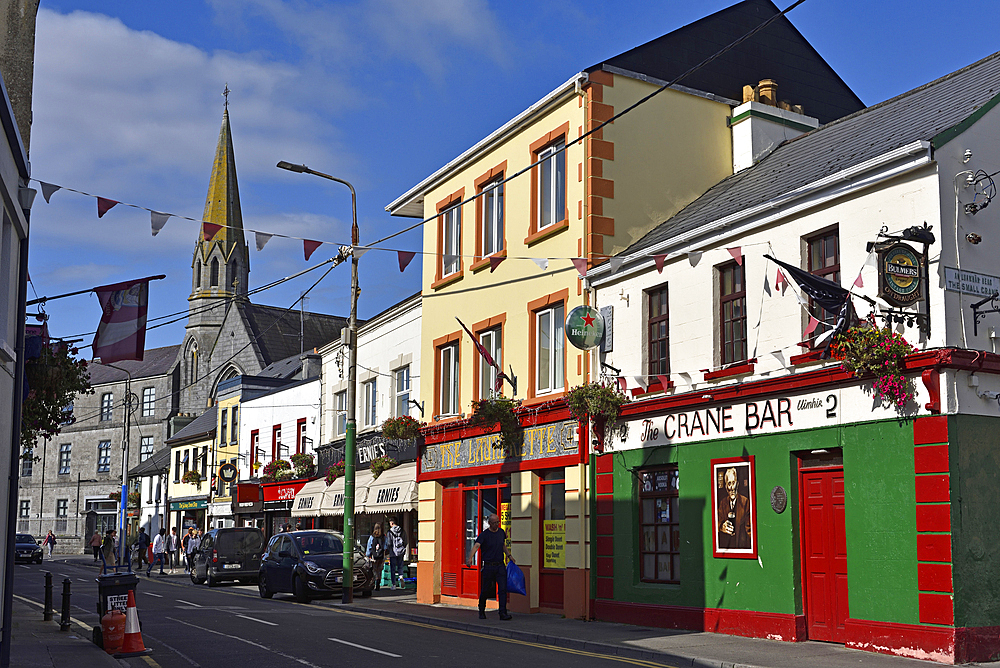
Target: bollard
[47, 612]
[64, 621]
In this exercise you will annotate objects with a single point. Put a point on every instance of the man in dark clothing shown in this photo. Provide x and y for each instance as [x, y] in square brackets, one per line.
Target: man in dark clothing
[142, 546]
[492, 546]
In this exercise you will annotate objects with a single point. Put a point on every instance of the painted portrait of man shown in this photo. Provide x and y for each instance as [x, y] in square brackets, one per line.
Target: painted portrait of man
[733, 518]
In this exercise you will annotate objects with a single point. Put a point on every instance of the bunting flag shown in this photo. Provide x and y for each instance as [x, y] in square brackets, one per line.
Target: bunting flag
[871, 260]
[210, 230]
[262, 238]
[858, 283]
[495, 261]
[621, 383]
[616, 264]
[309, 247]
[664, 381]
[104, 205]
[48, 189]
[737, 253]
[581, 265]
[826, 293]
[542, 262]
[640, 381]
[404, 257]
[157, 220]
[780, 282]
[658, 261]
[767, 286]
[813, 323]
[694, 257]
[802, 299]
[359, 251]
[122, 332]
[485, 354]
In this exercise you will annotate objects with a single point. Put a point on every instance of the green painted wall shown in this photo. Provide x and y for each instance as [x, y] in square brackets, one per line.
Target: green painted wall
[975, 518]
[880, 518]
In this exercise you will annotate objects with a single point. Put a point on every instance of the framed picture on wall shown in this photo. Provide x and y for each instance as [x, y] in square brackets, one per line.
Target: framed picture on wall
[734, 511]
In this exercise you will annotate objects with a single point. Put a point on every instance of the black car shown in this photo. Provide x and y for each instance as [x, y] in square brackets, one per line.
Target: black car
[228, 554]
[310, 564]
[26, 548]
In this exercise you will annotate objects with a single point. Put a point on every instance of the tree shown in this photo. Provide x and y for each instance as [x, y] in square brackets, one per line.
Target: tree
[52, 379]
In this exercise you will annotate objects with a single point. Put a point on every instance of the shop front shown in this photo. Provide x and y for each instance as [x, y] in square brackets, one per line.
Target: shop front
[537, 488]
[189, 512]
[247, 505]
[278, 498]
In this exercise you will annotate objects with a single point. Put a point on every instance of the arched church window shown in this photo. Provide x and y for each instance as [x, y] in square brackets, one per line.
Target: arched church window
[197, 275]
[215, 272]
[192, 362]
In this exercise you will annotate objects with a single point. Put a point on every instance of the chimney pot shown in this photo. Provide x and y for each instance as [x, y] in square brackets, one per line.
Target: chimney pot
[768, 91]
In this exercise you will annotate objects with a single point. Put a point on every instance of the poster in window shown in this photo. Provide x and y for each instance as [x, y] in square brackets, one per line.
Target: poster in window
[734, 513]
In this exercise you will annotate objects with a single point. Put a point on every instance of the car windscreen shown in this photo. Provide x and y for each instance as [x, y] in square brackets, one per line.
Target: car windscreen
[319, 543]
[24, 538]
[248, 542]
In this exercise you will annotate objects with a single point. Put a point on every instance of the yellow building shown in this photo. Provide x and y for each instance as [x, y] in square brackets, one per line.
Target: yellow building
[224, 459]
[499, 254]
[189, 474]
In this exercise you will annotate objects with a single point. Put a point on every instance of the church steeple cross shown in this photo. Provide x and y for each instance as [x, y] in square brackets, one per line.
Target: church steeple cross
[225, 94]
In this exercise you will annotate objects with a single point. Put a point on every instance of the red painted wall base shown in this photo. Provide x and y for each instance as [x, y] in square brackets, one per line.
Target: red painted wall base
[744, 623]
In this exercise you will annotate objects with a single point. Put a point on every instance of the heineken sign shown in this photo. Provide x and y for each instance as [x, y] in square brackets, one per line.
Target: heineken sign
[585, 327]
[899, 275]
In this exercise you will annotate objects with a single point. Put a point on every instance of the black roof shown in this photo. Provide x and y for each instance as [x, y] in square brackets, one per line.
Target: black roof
[155, 362]
[202, 426]
[275, 330]
[925, 113]
[778, 52]
[159, 462]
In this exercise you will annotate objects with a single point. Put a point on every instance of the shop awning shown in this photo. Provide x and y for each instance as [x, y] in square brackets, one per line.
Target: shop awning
[308, 499]
[394, 491]
[333, 497]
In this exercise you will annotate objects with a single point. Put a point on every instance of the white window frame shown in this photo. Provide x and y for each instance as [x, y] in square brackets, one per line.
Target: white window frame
[551, 184]
[107, 406]
[148, 401]
[65, 449]
[27, 463]
[341, 419]
[550, 373]
[492, 340]
[371, 402]
[451, 241]
[104, 456]
[492, 216]
[62, 508]
[401, 380]
[24, 508]
[450, 377]
[145, 448]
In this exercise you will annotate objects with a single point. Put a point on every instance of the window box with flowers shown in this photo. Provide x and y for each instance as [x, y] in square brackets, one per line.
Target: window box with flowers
[276, 471]
[303, 464]
[867, 349]
[192, 478]
[401, 428]
[335, 471]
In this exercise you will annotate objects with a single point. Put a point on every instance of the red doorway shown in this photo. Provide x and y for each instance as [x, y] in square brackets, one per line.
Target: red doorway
[824, 551]
[465, 507]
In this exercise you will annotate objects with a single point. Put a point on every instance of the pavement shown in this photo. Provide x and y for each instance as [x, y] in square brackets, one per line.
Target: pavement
[41, 644]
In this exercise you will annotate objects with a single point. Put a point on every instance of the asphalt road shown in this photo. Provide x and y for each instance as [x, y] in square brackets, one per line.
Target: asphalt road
[189, 625]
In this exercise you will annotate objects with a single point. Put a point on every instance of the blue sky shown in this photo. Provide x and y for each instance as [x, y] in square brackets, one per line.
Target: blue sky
[127, 105]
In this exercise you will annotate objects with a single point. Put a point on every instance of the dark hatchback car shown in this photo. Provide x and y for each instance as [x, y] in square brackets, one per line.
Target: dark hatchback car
[27, 549]
[228, 554]
[309, 564]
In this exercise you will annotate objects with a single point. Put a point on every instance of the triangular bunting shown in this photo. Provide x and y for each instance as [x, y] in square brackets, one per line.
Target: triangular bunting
[262, 238]
[813, 322]
[157, 220]
[621, 383]
[450, 260]
[737, 253]
[664, 381]
[104, 205]
[495, 261]
[542, 262]
[780, 282]
[359, 251]
[210, 230]
[616, 264]
[309, 247]
[581, 265]
[767, 286]
[694, 257]
[802, 299]
[404, 258]
[640, 381]
[871, 260]
[48, 189]
[658, 261]
[858, 283]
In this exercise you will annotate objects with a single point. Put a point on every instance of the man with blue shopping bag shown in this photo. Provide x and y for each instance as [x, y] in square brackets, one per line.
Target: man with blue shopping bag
[492, 546]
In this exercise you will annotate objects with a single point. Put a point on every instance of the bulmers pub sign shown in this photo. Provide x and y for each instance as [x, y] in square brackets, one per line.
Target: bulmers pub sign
[899, 274]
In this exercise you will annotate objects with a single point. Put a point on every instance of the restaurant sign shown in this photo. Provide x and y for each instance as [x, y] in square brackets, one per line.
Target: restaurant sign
[544, 442]
[189, 505]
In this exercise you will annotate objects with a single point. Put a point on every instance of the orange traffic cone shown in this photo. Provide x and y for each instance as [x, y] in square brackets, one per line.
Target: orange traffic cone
[132, 643]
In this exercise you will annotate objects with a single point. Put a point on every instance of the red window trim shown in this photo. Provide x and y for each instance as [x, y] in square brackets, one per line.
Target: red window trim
[254, 444]
[298, 435]
[274, 441]
[737, 369]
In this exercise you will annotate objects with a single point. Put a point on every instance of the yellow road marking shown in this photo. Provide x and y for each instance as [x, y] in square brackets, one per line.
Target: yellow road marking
[54, 612]
[150, 661]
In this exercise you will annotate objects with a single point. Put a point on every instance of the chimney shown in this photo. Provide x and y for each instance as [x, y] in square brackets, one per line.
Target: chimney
[311, 365]
[762, 122]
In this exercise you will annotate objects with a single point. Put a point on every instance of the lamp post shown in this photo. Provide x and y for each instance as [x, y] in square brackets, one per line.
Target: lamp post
[352, 375]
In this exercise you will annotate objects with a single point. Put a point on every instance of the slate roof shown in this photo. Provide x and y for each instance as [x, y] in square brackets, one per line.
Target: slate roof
[920, 114]
[203, 425]
[155, 362]
[778, 52]
[160, 461]
[276, 331]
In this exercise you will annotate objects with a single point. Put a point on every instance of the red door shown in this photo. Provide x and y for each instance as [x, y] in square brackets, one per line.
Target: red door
[824, 553]
[452, 540]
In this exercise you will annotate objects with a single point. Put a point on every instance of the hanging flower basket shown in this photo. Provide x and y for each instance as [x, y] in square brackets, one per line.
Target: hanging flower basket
[303, 463]
[279, 469]
[601, 405]
[488, 413]
[134, 499]
[381, 464]
[192, 478]
[401, 428]
[867, 349]
[335, 471]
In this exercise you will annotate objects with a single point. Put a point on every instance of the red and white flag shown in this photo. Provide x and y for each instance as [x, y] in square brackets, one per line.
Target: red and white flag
[122, 332]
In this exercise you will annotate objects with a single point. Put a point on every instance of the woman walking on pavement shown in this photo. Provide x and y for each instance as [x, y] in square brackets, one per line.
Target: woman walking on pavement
[194, 542]
[50, 540]
[397, 550]
[377, 544]
[95, 544]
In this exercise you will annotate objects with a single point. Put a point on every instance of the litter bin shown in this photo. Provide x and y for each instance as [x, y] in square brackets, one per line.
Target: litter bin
[112, 591]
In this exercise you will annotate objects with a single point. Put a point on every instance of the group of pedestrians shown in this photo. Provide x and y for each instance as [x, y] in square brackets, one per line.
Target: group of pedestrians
[392, 544]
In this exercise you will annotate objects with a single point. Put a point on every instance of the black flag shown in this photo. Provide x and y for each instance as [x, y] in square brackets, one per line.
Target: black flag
[826, 293]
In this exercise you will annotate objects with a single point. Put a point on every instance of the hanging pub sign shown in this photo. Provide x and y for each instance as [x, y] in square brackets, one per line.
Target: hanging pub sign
[899, 275]
[585, 327]
[228, 472]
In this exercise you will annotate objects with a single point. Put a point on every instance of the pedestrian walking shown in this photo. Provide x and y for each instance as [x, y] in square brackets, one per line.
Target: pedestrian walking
[108, 546]
[142, 547]
[173, 544]
[95, 545]
[397, 552]
[159, 551]
[377, 544]
[492, 546]
[184, 544]
[50, 540]
[194, 542]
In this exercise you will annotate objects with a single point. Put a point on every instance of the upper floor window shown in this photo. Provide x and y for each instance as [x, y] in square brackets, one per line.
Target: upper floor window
[234, 434]
[732, 313]
[224, 425]
[492, 340]
[550, 349]
[448, 379]
[824, 260]
[107, 400]
[148, 401]
[301, 440]
[371, 403]
[451, 241]
[62, 508]
[491, 204]
[27, 462]
[104, 457]
[276, 445]
[25, 508]
[341, 422]
[65, 450]
[255, 451]
[215, 272]
[658, 340]
[402, 381]
[145, 448]
[552, 184]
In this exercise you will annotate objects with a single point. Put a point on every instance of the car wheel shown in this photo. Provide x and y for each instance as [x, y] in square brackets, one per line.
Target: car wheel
[38, 560]
[211, 579]
[300, 591]
[265, 591]
[194, 577]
